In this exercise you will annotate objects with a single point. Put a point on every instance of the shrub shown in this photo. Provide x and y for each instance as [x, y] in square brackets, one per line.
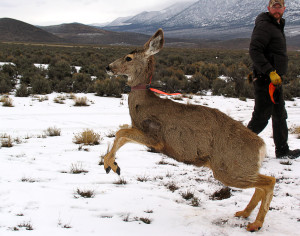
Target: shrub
[22, 91]
[40, 85]
[81, 82]
[217, 86]
[110, 87]
[87, 137]
[198, 83]
[210, 71]
[248, 90]
[229, 90]
[64, 85]
[59, 69]
[5, 84]
[292, 89]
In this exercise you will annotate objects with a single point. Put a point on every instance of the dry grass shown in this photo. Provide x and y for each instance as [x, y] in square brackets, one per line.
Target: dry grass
[43, 98]
[77, 169]
[7, 141]
[60, 99]
[3, 98]
[26, 225]
[53, 131]
[142, 179]
[286, 163]
[40, 98]
[195, 202]
[145, 220]
[172, 187]
[121, 181]
[6, 101]
[296, 130]
[111, 134]
[81, 102]
[71, 96]
[224, 193]
[187, 195]
[84, 193]
[28, 180]
[87, 137]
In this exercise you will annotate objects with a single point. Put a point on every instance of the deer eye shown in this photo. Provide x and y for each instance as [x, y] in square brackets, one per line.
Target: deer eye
[128, 59]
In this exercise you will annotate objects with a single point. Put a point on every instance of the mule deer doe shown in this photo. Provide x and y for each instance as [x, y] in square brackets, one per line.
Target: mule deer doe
[192, 134]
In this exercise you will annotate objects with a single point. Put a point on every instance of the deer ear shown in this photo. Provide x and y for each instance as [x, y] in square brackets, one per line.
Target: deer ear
[155, 43]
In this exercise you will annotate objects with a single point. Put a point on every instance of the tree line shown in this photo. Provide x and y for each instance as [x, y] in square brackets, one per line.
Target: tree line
[224, 72]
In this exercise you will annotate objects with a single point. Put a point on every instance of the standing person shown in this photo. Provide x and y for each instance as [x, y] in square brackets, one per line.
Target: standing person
[269, 56]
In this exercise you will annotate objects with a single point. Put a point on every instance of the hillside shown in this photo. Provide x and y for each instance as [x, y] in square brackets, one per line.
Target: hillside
[84, 34]
[12, 30]
[18, 31]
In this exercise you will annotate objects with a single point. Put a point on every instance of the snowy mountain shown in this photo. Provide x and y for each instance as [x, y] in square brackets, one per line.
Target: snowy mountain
[218, 18]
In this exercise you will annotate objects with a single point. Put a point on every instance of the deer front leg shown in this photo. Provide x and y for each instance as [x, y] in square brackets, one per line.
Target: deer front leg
[124, 136]
[257, 196]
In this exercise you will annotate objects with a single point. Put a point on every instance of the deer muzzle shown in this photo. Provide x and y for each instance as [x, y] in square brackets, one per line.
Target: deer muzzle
[109, 70]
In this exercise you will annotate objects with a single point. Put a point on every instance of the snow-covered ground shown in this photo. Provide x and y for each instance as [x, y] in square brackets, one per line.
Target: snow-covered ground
[38, 190]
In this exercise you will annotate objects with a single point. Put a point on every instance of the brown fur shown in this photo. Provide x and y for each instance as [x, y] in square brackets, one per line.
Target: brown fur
[192, 134]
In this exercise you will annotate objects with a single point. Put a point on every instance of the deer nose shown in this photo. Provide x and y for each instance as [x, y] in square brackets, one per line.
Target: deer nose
[108, 69]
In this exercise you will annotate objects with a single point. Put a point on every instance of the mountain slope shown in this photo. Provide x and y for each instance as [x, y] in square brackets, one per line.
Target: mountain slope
[15, 30]
[218, 19]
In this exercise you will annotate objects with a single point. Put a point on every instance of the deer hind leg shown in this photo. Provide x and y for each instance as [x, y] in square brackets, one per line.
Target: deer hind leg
[124, 136]
[264, 187]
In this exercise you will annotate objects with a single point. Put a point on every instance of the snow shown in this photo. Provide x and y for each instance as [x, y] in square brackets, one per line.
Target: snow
[42, 66]
[6, 63]
[38, 189]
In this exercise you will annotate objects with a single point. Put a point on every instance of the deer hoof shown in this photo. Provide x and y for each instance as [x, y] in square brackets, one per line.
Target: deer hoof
[108, 169]
[243, 214]
[253, 227]
[118, 171]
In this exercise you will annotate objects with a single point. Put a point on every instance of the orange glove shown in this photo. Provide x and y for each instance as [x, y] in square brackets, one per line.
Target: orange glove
[275, 78]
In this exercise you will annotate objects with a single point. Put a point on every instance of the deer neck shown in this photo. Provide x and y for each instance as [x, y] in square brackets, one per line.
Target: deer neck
[140, 94]
[141, 81]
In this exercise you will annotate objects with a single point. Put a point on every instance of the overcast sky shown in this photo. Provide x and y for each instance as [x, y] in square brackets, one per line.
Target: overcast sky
[51, 12]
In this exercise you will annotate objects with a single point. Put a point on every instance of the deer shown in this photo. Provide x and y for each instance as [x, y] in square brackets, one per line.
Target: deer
[192, 134]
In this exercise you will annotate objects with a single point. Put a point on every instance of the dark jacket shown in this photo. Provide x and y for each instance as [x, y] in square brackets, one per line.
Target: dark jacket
[268, 46]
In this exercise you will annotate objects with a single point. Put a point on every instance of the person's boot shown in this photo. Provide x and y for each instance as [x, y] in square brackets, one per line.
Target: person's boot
[291, 154]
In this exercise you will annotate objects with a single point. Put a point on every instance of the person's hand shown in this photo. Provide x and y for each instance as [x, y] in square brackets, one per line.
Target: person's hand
[275, 78]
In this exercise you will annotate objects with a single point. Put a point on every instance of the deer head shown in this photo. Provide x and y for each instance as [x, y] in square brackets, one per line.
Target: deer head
[138, 65]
